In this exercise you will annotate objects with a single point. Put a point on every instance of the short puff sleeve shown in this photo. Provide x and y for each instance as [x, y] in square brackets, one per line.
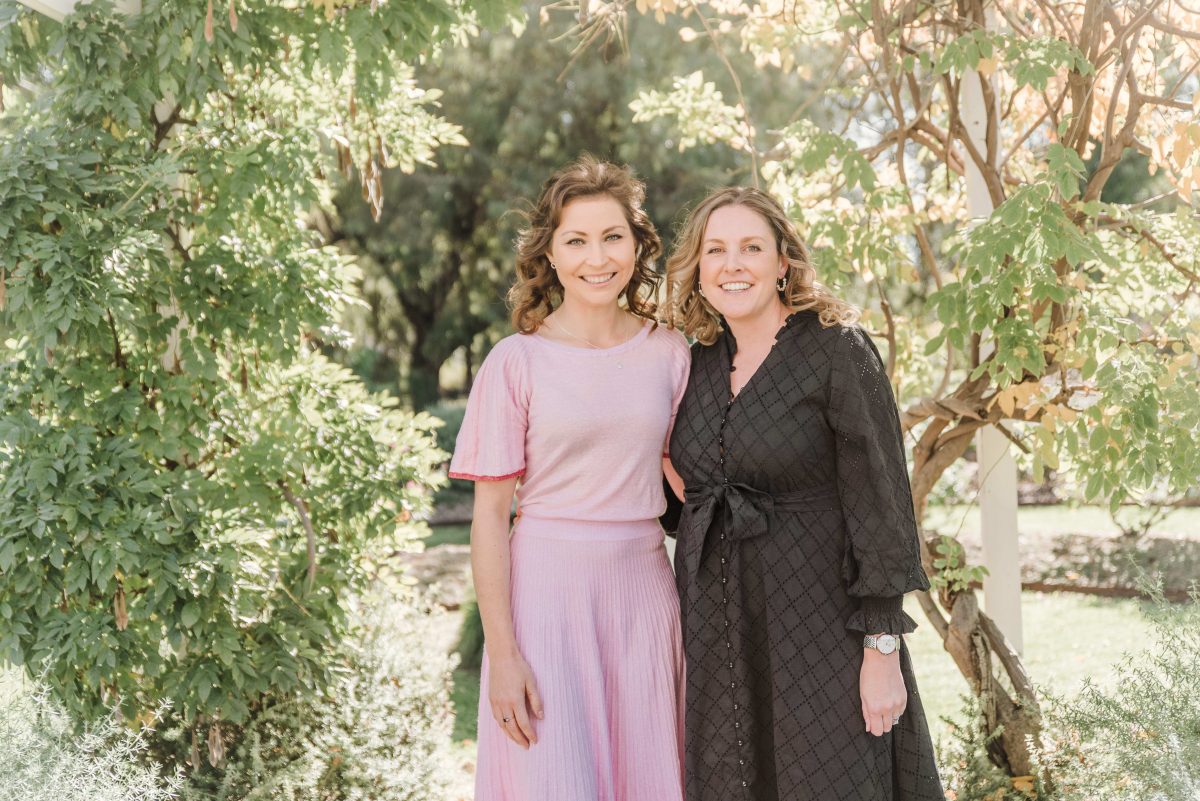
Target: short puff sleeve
[491, 442]
[883, 556]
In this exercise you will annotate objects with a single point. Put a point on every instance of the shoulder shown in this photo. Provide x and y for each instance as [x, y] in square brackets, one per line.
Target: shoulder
[671, 341]
[510, 355]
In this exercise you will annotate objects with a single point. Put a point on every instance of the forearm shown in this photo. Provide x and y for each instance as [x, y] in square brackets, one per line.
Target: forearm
[491, 568]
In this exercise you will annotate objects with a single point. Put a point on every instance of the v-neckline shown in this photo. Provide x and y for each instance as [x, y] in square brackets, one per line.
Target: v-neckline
[730, 350]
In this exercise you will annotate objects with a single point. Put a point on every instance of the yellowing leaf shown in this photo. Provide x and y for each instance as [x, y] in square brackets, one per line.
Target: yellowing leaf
[986, 66]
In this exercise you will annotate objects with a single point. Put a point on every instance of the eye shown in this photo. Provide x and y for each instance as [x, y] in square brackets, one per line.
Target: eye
[754, 248]
[575, 241]
[713, 249]
[614, 237]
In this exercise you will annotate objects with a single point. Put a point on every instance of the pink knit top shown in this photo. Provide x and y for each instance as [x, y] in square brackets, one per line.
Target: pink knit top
[585, 429]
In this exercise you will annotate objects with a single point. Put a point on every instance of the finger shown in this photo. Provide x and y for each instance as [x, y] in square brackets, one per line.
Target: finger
[877, 725]
[524, 724]
[514, 732]
[885, 721]
[535, 700]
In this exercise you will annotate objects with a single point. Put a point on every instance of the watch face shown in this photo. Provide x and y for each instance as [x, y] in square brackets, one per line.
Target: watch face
[887, 644]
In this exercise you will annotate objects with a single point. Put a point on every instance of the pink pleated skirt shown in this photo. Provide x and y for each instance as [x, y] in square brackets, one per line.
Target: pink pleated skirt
[596, 617]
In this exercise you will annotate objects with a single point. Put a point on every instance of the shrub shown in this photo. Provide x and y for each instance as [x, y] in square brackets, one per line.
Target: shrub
[44, 758]
[1140, 739]
[380, 732]
[215, 586]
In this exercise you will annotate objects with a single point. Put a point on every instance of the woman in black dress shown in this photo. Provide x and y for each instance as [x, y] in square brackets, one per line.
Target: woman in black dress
[797, 539]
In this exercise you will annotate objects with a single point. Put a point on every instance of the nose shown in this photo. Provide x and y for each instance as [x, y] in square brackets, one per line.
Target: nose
[595, 254]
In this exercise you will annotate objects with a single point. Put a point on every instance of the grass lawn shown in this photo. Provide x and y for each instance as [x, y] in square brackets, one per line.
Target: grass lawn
[448, 535]
[1058, 519]
[1068, 638]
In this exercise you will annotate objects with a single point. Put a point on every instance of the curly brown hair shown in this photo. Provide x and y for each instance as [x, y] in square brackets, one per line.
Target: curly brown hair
[537, 290]
[687, 308]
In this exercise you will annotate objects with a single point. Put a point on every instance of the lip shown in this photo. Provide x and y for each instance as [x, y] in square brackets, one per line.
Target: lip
[605, 282]
[741, 286]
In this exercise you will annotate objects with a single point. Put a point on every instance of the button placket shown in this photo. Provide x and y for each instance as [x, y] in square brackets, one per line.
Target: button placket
[725, 554]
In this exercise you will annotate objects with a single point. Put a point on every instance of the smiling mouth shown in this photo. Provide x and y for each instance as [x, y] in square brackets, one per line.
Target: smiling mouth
[736, 286]
[598, 280]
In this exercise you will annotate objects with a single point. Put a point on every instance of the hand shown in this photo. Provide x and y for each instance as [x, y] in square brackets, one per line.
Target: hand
[512, 693]
[881, 687]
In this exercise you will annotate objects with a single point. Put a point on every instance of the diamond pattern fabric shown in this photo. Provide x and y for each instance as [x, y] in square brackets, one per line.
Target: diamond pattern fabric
[797, 535]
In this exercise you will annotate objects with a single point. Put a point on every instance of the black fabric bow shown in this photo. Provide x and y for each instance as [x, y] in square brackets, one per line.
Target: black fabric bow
[747, 513]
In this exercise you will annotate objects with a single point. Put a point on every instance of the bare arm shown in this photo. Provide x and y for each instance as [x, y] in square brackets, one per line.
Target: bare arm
[673, 478]
[511, 684]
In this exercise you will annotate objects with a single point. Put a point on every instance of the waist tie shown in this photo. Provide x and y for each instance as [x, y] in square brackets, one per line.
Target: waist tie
[747, 513]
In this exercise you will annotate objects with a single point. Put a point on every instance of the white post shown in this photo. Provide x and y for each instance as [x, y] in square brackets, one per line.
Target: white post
[997, 469]
[58, 9]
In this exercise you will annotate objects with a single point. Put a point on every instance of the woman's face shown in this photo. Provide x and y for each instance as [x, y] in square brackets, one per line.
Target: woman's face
[739, 263]
[593, 250]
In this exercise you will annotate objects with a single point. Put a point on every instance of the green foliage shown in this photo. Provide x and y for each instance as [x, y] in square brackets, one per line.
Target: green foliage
[43, 757]
[967, 774]
[953, 572]
[699, 109]
[381, 730]
[188, 490]
[1140, 739]
[1031, 61]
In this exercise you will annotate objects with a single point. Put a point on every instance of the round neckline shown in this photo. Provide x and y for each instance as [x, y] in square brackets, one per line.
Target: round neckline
[633, 340]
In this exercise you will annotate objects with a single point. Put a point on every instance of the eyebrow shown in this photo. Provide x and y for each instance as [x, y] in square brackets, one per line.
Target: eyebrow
[620, 227]
[743, 239]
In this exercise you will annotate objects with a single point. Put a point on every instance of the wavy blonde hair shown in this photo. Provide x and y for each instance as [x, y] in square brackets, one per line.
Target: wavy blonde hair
[689, 310]
[537, 290]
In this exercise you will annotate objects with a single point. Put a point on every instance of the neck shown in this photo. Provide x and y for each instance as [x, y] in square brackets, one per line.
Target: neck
[758, 330]
[597, 324]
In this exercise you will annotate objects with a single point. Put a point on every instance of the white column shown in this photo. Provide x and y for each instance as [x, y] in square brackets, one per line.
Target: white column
[58, 9]
[997, 469]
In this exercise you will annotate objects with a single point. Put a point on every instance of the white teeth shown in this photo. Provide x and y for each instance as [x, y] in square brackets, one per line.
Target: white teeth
[735, 286]
[598, 279]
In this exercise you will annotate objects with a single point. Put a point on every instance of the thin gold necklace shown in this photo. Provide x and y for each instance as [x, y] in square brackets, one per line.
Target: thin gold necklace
[570, 333]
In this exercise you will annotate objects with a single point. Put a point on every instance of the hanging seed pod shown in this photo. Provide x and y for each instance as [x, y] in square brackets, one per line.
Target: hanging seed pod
[232, 17]
[119, 610]
[208, 24]
[216, 745]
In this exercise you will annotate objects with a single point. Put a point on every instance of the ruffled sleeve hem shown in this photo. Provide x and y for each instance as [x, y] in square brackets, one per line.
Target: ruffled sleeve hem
[881, 616]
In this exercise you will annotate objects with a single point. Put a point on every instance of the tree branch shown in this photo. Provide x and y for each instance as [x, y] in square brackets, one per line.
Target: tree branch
[310, 535]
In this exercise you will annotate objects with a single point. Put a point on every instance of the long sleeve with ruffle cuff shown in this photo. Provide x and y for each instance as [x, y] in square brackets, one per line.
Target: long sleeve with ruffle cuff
[881, 616]
[882, 560]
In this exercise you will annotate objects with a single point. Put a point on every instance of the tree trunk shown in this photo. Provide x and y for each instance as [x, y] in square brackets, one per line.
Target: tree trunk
[970, 636]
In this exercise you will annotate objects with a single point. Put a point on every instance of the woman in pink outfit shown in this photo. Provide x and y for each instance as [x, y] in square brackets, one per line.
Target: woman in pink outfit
[582, 681]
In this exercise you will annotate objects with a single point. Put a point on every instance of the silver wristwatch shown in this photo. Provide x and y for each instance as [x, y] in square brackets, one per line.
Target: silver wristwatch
[884, 643]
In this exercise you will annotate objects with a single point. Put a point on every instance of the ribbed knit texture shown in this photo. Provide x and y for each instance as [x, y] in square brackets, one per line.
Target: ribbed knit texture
[597, 619]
